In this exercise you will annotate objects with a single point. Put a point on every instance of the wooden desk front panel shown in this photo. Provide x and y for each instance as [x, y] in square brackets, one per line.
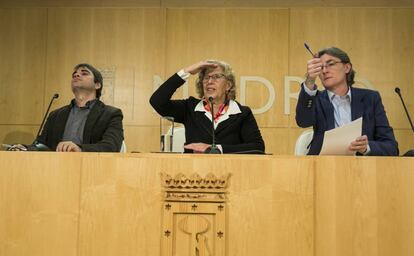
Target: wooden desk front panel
[111, 204]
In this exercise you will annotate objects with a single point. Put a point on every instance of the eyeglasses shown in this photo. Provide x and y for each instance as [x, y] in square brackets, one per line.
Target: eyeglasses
[330, 65]
[213, 77]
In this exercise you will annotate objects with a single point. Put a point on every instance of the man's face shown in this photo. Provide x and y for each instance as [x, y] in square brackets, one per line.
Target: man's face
[83, 79]
[334, 71]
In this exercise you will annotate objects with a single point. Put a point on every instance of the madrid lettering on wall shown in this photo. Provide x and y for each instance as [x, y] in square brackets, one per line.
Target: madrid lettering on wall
[268, 103]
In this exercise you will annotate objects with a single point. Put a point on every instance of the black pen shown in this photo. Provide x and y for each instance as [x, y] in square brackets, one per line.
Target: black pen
[308, 48]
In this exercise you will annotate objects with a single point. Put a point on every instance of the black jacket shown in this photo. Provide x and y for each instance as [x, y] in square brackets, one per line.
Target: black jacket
[239, 133]
[103, 130]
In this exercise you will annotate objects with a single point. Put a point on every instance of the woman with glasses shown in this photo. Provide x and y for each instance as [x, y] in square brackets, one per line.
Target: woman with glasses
[340, 103]
[235, 127]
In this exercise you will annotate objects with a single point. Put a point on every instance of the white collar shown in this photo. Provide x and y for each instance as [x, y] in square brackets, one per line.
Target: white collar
[232, 110]
[331, 95]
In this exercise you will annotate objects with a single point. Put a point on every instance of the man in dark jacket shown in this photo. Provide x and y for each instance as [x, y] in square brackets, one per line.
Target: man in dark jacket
[86, 124]
[340, 104]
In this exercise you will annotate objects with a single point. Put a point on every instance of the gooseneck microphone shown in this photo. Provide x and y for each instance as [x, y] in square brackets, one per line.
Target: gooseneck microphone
[213, 149]
[37, 146]
[398, 91]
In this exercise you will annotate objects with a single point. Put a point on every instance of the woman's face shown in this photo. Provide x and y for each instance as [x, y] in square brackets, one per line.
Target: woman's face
[215, 85]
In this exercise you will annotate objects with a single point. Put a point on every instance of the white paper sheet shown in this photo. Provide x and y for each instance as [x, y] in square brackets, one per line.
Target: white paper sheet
[336, 141]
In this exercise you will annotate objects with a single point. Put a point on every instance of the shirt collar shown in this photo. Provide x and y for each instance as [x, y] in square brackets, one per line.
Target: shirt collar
[232, 110]
[331, 95]
[88, 104]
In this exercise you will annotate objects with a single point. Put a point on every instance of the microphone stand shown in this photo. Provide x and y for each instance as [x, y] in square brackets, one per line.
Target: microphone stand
[37, 146]
[213, 149]
[398, 91]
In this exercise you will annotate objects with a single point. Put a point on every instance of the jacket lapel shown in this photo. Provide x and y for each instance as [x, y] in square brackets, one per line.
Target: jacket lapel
[203, 122]
[60, 123]
[328, 110]
[223, 125]
[91, 120]
[357, 104]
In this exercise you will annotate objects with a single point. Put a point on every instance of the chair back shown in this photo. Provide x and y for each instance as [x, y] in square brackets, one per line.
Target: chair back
[302, 143]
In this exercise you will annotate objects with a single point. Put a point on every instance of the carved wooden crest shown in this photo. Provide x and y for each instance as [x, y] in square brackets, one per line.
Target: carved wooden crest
[194, 215]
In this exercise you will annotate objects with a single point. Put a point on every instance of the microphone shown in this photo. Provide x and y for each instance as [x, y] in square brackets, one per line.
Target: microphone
[37, 146]
[398, 91]
[213, 149]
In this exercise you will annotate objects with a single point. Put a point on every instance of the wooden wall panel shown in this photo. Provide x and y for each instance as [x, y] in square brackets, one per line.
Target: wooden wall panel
[135, 46]
[254, 42]
[39, 204]
[201, 3]
[405, 139]
[142, 138]
[276, 140]
[129, 44]
[22, 65]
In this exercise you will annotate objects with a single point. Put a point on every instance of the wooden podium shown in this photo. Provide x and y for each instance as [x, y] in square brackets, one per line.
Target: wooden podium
[165, 204]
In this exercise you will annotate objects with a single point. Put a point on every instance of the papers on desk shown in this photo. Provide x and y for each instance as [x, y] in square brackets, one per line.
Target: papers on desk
[336, 141]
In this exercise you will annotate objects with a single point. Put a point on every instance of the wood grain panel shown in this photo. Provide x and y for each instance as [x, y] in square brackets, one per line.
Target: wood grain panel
[126, 43]
[405, 139]
[22, 64]
[106, 204]
[132, 46]
[395, 228]
[356, 198]
[142, 138]
[200, 3]
[39, 203]
[253, 41]
[346, 206]
[293, 180]
[80, 3]
[121, 202]
[120, 212]
[276, 140]
[287, 3]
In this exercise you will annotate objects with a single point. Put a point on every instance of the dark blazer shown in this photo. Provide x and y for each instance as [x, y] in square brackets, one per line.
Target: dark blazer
[318, 111]
[103, 130]
[239, 133]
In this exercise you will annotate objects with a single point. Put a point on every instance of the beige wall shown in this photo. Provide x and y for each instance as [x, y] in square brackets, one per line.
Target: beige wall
[40, 46]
